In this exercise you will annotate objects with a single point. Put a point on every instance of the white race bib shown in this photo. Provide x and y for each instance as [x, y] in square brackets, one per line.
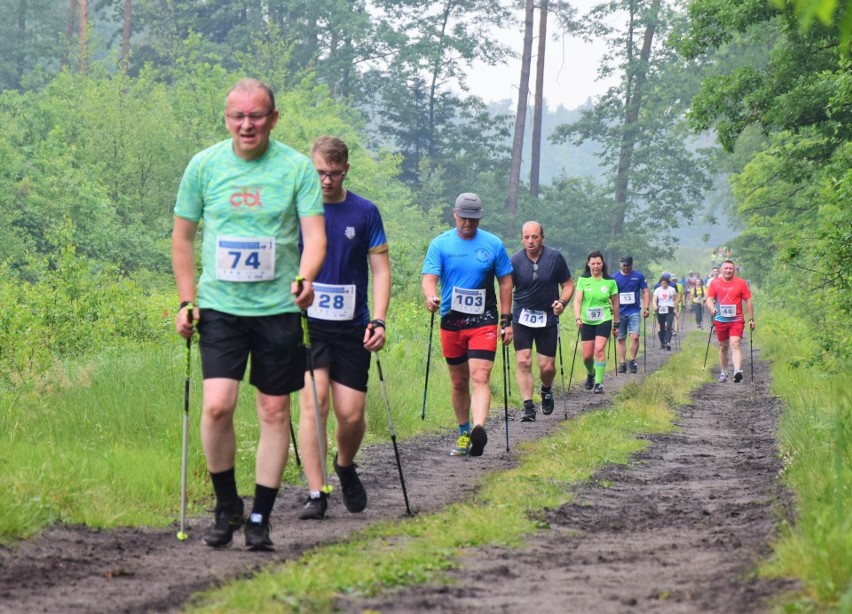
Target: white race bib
[468, 301]
[332, 302]
[533, 318]
[728, 311]
[594, 314]
[627, 298]
[663, 309]
[245, 258]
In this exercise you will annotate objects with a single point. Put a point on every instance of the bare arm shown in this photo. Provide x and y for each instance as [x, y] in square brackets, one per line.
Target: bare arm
[313, 255]
[647, 296]
[564, 297]
[505, 287]
[750, 309]
[429, 285]
[578, 304]
[374, 338]
[183, 265]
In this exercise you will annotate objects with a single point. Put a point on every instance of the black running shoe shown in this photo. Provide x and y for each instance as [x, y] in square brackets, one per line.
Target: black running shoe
[354, 495]
[314, 508]
[589, 383]
[738, 376]
[529, 412]
[257, 535]
[547, 402]
[668, 348]
[226, 521]
[598, 389]
[633, 367]
[478, 439]
[622, 368]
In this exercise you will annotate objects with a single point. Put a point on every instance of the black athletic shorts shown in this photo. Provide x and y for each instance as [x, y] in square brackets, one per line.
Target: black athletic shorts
[590, 331]
[340, 348]
[273, 342]
[545, 339]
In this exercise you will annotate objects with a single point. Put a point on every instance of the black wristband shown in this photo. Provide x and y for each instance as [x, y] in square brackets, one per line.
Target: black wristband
[184, 304]
[505, 318]
[378, 324]
[564, 303]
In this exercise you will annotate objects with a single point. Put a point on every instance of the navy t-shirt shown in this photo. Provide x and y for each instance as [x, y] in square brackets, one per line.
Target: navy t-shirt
[632, 283]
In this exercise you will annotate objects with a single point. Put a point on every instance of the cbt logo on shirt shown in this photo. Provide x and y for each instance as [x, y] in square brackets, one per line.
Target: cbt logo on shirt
[248, 197]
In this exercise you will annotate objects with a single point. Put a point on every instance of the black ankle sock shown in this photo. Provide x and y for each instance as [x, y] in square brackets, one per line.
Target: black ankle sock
[225, 487]
[264, 499]
[543, 389]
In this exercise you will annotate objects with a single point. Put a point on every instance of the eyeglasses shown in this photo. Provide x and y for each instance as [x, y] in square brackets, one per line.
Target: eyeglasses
[254, 118]
[335, 176]
[535, 270]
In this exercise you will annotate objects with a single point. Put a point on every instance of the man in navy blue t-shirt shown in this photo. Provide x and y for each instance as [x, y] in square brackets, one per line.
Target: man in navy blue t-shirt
[633, 301]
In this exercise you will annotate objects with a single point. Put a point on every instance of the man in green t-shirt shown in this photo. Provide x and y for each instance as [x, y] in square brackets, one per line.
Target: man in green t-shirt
[254, 195]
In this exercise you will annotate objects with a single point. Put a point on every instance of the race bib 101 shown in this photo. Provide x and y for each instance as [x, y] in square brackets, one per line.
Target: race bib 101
[533, 318]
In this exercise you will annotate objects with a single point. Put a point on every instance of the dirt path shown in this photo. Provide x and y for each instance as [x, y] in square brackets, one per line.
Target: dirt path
[711, 487]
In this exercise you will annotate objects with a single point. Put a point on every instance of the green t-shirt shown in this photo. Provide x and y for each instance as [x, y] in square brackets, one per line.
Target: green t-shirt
[596, 307]
[250, 212]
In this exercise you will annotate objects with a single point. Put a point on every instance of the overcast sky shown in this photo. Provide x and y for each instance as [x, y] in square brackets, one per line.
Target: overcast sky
[570, 68]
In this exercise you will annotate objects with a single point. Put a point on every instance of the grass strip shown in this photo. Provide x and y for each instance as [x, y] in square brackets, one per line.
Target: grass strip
[420, 550]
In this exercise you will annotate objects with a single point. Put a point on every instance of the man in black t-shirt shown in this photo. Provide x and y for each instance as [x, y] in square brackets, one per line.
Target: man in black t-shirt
[543, 287]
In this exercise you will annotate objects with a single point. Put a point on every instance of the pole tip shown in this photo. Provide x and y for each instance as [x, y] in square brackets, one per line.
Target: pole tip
[181, 535]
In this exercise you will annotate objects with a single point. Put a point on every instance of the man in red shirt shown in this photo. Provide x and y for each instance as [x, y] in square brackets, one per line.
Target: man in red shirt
[725, 298]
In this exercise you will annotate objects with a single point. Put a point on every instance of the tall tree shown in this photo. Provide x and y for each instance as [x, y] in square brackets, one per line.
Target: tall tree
[654, 177]
[126, 32]
[538, 108]
[83, 35]
[521, 115]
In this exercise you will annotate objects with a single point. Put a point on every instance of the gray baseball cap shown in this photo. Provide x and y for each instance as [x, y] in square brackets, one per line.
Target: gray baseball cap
[468, 206]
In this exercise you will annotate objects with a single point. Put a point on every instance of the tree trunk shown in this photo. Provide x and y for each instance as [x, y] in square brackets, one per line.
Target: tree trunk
[69, 33]
[125, 35]
[521, 115]
[538, 109]
[436, 71]
[636, 75]
[84, 35]
[22, 36]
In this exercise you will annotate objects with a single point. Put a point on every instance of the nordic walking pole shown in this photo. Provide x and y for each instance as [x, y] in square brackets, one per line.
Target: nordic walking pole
[562, 370]
[751, 351]
[679, 330]
[574, 359]
[654, 333]
[293, 439]
[392, 433]
[505, 392]
[309, 359]
[181, 534]
[707, 351]
[428, 364]
[644, 344]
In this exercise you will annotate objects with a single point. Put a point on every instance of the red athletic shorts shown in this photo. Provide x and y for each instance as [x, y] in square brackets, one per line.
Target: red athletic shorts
[460, 345]
[724, 330]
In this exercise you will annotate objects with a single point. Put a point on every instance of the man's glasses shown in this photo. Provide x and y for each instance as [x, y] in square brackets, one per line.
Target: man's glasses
[254, 118]
[535, 270]
[335, 176]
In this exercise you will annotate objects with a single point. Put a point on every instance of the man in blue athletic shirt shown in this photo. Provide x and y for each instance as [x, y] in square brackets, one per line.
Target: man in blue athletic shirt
[342, 333]
[465, 260]
[630, 284]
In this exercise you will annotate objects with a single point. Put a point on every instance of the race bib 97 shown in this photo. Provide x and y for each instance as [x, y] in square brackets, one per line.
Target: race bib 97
[593, 314]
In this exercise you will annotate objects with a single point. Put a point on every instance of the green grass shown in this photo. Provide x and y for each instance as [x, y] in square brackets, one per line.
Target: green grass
[815, 433]
[419, 550]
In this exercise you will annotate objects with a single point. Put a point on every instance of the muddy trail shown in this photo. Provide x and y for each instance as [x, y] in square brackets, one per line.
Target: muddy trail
[678, 529]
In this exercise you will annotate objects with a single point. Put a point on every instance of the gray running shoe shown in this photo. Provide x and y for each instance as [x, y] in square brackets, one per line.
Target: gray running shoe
[529, 412]
[314, 508]
[723, 376]
[598, 389]
[547, 403]
[478, 439]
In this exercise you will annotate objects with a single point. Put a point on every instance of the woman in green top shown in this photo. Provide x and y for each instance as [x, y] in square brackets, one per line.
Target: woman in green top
[596, 313]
